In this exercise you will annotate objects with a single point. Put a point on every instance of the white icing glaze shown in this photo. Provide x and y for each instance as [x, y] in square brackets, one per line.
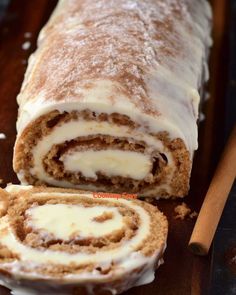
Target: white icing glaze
[109, 162]
[66, 221]
[97, 100]
[145, 276]
[15, 188]
[24, 291]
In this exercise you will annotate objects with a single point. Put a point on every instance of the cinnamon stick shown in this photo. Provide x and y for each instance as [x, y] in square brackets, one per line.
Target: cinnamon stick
[215, 199]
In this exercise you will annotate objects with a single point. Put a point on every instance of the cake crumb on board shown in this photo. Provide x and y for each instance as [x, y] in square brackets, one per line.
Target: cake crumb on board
[184, 211]
[27, 35]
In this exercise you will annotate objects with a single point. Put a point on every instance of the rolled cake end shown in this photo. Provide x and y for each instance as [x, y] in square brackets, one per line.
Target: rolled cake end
[101, 152]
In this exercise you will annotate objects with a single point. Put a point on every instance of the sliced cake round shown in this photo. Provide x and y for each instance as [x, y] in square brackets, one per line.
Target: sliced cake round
[62, 241]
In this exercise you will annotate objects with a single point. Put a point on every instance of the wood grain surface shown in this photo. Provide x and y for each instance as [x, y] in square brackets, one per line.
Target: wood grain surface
[182, 273]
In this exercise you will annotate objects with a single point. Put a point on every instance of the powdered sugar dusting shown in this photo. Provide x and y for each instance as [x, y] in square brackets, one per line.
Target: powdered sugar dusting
[118, 40]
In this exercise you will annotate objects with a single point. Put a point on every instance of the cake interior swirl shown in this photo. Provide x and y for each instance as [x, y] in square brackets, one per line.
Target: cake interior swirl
[102, 159]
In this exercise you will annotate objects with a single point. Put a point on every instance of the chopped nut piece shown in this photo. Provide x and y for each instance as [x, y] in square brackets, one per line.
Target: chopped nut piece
[104, 217]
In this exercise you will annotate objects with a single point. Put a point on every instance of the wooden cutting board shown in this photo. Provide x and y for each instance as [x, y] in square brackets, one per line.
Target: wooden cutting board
[182, 273]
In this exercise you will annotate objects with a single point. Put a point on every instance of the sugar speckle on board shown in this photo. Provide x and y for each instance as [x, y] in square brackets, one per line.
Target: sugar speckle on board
[201, 117]
[184, 211]
[27, 35]
[206, 96]
[26, 45]
[2, 136]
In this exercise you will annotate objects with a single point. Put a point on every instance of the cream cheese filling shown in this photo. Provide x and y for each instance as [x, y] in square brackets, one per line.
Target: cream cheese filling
[109, 162]
[73, 221]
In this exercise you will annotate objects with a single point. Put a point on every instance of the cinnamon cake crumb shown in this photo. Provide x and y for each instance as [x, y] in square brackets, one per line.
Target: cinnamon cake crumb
[104, 217]
[184, 211]
[149, 200]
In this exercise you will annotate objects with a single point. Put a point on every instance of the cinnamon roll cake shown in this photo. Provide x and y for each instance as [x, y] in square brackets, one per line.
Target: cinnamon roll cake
[110, 97]
[64, 241]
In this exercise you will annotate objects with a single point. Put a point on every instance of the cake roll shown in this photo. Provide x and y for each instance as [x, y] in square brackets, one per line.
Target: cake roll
[110, 97]
[65, 241]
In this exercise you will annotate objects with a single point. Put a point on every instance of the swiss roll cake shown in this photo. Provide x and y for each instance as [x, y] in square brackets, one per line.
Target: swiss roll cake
[110, 97]
[65, 241]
